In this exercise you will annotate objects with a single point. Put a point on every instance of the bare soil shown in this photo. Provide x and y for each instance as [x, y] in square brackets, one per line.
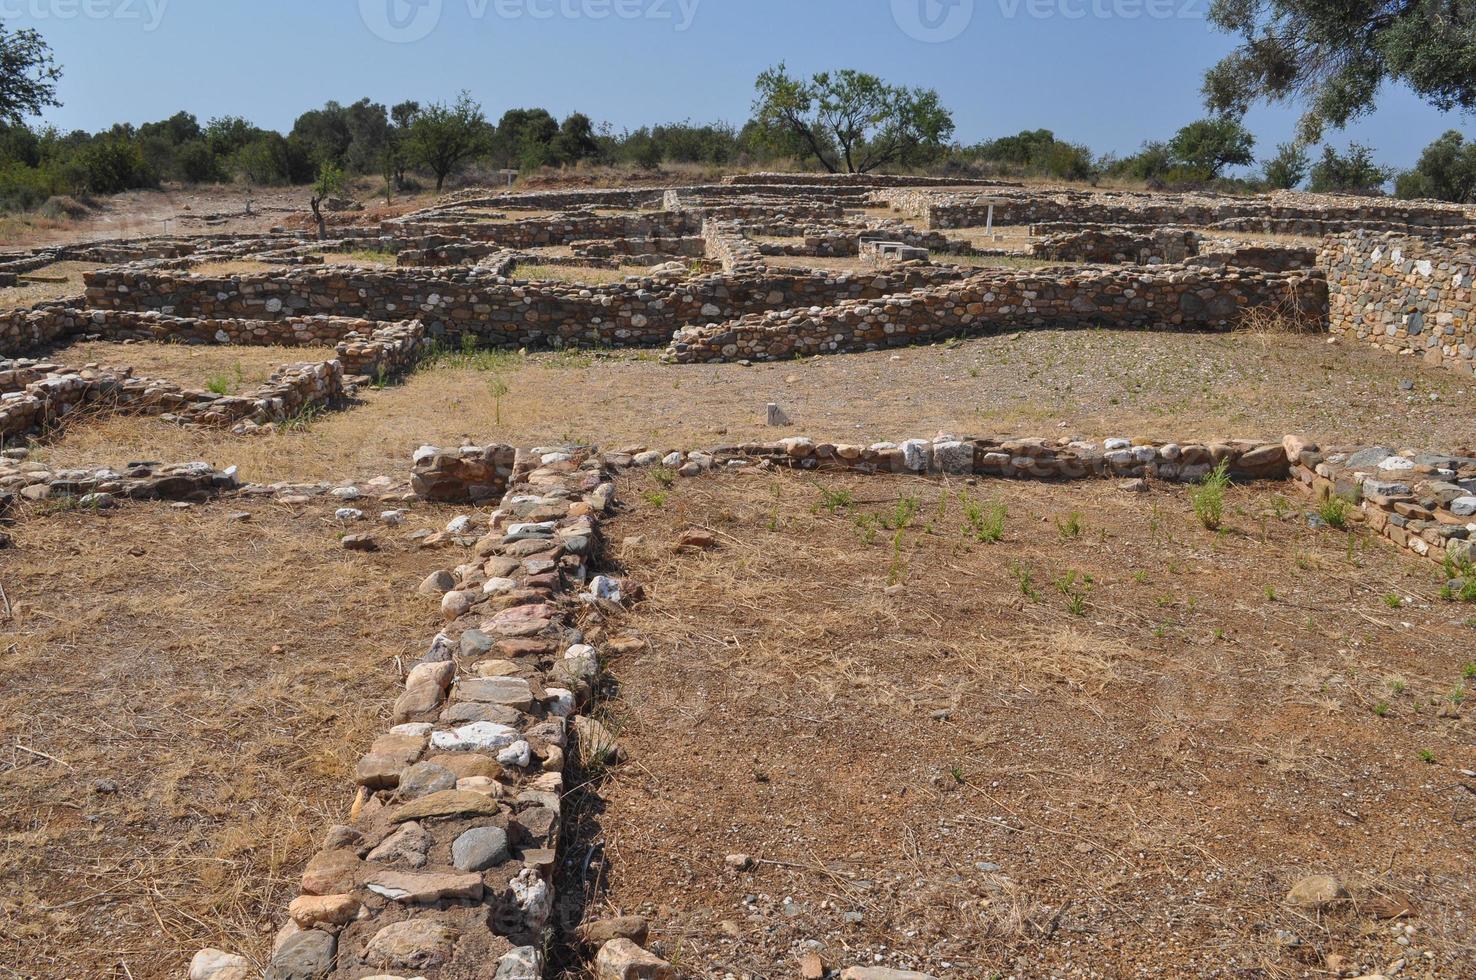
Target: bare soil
[1088, 383]
[236, 369]
[1105, 746]
[183, 695]
[29, 293]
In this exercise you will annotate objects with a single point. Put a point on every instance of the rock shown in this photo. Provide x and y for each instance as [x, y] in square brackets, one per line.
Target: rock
[401, 886]
[331, 873]
[596, 742]
[323, 911]
[812, 967]
[1316, 892]
[879, 973]
[1134, 486]
[417, 944]
[409, 845]
[480, 849]
[213, 964]
[1463, 507]
[510, 692]
[306, 956]
[467, 475]
[696, 540]
[525, 963]
[363, 543]
[452, 803]
[437, 583]
[598, 933]
[424, 779]
[739, 862]
[621, 959]
[776, 416]
[482, 736]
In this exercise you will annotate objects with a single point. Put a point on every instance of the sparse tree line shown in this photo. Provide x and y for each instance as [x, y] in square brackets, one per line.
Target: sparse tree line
[841, 121]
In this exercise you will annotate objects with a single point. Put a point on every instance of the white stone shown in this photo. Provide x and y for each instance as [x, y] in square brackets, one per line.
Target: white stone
[560, 701]
[214, 964]
[1463, 507]
[482, 736]
[516, 755]
[606, 588]
[348, 514]
[498, 586]
[459, 525]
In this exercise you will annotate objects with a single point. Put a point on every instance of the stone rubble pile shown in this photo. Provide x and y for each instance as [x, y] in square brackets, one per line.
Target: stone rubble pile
[102, 487]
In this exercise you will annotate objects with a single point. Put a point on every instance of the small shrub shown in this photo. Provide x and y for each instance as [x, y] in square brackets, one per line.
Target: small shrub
[985, 526]
[1334, 511]
[1071, 527]
[1393, 601]
[1208, 498]
[833, 501]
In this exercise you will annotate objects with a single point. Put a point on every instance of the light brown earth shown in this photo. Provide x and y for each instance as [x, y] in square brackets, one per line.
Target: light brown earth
[183, 696]
[963, 776]
[1088, 383]
[235, 369]
[29, 292]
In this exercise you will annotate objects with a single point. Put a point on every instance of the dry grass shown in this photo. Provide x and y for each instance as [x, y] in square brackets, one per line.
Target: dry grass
[989, 781]
[184, 697]
[1090, 383]
[31, 293]
[577, 274]
[235, 267]
[374, 258]
[228, 370]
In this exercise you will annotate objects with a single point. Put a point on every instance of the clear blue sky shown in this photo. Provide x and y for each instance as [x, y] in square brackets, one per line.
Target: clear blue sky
[1110, 73]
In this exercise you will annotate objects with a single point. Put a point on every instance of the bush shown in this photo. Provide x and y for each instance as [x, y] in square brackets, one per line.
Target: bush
[1353, 172]
[111, 166]
[1446, 172]
[196, 163]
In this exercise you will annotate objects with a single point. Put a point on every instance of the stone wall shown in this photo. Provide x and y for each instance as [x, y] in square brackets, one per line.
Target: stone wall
[1119, 245]
[1404, 295]
[1169, 297]
[545, 232]
[499, 311]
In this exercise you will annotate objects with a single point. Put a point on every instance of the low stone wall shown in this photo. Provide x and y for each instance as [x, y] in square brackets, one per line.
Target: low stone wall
[827, 182]
[499, 311]
[1170, 297]
[545, 232]
[1034, 459]
[101, 488]
[1281, 213]
[1120, 245]
[444, 867]
[60, 393]
[1422, 502]
[1404, 295]
[727, 244]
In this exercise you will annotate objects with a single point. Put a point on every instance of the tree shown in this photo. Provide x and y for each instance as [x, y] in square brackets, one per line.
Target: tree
[1353, 172]
[1211, 145]
[443, 137]
[1287, 168]
[1446, 171]
[396, 157]
[524, 138]
[1336, 53]
[575, 141]
[328, 183]
[28, 75]
[854, 120]
[1038, 151]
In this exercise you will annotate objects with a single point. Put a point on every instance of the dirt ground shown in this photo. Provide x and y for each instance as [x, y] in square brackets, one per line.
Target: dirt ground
[30, 293]
[236, 369]
[1089, 383]
[1105, 746]
[183, 695]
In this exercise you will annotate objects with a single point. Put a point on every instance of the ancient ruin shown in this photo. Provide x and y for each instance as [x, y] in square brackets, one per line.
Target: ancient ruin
[461, 846]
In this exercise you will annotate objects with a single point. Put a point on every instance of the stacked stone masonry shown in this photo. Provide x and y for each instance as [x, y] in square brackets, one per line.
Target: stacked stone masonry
[1167, 297]
[1404, 295]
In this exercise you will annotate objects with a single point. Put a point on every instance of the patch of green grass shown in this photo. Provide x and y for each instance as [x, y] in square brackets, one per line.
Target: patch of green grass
[664, 475]
[833, 501]
[656, 498]
[1208, 499]
[1382, 709]
[987, 526]
[903, 514]
[1393, 601]
[1071, 528]
[1334, 511]
[1025, 578]
[1075, 586]
[1427, 757]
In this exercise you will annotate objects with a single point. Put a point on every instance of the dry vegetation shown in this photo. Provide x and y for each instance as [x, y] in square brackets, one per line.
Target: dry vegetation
[228, 370]
[578, 274]
[184, 694]
[33, 290]
[1106, 744]
[1091, 383]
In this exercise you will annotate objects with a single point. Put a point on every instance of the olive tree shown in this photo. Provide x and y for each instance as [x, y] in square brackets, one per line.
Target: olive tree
[28, 75]
[851, 121]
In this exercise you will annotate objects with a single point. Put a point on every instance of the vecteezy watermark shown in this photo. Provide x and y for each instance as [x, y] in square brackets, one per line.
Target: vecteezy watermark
[407, 21]
[147, 13]
[1103, 9]
[933, 21]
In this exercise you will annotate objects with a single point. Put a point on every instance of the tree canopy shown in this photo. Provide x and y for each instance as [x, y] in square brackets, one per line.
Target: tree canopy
[1211, 145]
[442, 137]
[1334, 55]
[28, 75]
[1446, 171]
[852, 121]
